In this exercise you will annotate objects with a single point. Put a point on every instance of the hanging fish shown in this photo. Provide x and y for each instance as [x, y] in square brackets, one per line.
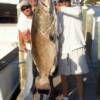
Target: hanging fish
[44, 47]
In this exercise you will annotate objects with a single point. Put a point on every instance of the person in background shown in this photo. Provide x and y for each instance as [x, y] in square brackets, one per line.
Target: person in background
[72, 60]
[24, 28]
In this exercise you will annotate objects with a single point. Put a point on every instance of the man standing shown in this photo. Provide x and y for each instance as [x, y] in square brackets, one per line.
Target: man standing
[24, 28]
[72, 59]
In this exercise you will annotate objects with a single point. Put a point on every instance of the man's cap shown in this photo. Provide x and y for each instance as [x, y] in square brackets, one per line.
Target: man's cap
[23, 3]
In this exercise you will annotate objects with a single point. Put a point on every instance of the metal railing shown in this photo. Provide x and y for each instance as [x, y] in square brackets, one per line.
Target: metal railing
[8, 58]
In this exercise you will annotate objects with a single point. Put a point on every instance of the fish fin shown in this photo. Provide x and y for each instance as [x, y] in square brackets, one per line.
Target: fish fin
[35, 64]
[53, 67]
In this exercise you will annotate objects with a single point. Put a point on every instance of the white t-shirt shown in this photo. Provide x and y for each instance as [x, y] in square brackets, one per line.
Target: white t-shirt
[24, 24]
[72, 36]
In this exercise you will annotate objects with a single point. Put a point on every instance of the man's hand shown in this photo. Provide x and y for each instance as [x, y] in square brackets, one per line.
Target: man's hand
[24, 38]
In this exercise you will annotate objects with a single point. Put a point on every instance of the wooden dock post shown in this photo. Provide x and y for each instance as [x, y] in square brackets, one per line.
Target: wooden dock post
[98, 65]
[98, 21]
[89, 30]
[84, 12]
[22, 68]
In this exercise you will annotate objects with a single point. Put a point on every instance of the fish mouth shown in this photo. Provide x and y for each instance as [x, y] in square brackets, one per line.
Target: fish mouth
[42, 83]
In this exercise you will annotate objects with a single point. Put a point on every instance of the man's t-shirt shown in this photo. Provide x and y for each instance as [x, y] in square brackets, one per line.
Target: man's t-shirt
[24, 24]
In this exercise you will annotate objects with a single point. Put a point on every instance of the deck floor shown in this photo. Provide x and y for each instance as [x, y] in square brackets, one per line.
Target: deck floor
[89, 85]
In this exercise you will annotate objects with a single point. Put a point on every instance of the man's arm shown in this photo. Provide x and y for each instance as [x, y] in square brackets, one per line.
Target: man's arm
[24, 37]
[72, 11]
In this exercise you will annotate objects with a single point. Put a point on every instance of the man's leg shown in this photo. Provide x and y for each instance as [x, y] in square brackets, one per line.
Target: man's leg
[65, 91]
[79, 85]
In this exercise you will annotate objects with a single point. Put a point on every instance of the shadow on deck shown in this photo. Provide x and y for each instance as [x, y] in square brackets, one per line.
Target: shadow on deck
[89, 85]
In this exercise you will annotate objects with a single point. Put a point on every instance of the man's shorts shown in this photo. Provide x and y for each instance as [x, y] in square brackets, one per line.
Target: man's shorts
[73, 63]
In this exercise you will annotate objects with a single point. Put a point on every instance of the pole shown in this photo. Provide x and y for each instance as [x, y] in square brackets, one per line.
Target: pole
[98, 20]
[84, 12]
[89, 30]
[98, 65]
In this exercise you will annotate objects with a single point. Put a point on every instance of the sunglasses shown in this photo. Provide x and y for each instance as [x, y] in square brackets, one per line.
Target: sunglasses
[25, 7]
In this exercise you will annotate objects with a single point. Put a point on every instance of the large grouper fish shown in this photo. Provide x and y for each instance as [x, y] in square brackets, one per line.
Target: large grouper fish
[44, 47]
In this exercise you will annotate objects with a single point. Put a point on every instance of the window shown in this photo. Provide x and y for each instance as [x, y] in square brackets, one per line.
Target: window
[8, 13]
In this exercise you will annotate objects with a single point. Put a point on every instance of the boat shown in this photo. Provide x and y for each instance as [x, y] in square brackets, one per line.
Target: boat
[9, 69]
